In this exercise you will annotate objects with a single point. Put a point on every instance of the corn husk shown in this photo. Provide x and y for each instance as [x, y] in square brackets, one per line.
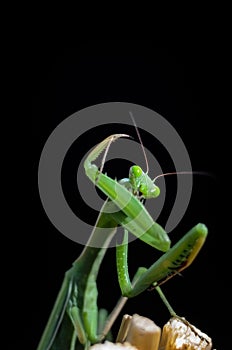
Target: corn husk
[179, 334]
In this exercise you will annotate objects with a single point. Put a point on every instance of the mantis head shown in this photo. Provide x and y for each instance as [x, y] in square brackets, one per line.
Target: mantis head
[141, 182]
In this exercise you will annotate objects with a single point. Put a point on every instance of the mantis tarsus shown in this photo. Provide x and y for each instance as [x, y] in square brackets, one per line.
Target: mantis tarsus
[75, 317]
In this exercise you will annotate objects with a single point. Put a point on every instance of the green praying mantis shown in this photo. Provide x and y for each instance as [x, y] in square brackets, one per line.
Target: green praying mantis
[75, 321]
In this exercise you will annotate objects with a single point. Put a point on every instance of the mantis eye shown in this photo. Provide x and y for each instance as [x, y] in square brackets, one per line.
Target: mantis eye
[136, 171]
[149, 192]
[155, 191]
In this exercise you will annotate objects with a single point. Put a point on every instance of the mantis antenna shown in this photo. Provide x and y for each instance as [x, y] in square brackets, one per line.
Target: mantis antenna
[165, 174]
[145, 156]
[175, 173]
[140, 140]
[182, 173]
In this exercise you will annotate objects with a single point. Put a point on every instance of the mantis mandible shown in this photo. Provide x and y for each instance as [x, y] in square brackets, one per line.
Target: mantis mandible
[75, 319]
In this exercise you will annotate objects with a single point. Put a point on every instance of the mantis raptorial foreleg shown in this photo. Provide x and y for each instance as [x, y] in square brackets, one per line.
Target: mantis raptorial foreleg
[137, 218]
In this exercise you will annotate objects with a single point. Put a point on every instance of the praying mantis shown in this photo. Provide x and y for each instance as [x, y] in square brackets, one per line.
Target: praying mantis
[75, 321]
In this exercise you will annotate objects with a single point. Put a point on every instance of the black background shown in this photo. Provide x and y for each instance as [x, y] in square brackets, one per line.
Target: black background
[184, 86]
